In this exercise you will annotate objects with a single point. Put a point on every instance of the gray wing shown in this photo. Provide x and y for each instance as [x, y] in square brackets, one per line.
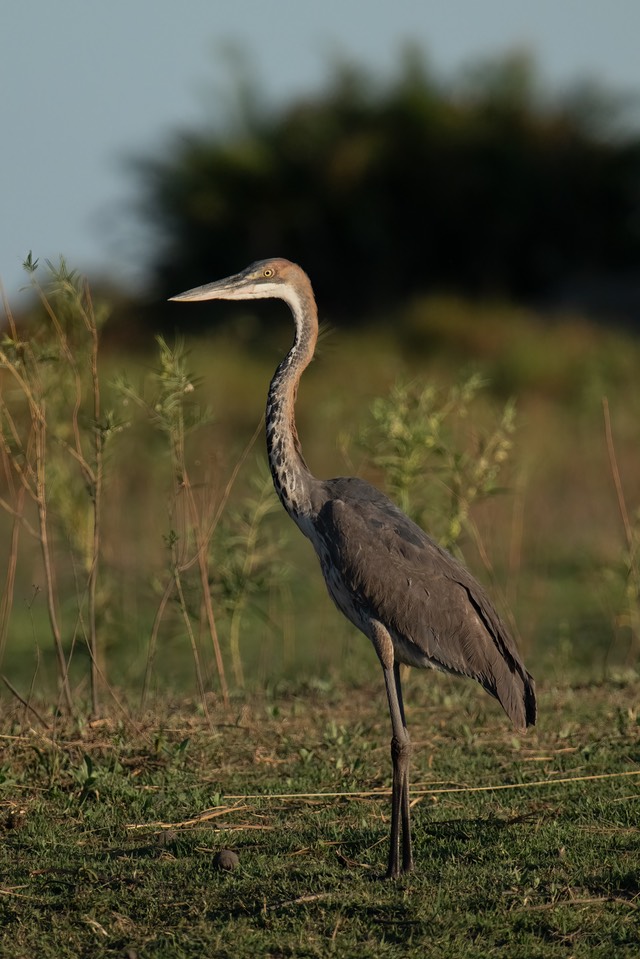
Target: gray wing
[430, 604]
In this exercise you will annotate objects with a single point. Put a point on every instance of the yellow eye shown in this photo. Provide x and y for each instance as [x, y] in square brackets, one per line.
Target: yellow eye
[267, 272]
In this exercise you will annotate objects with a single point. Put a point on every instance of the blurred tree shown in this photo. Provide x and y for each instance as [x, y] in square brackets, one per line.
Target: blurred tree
[383, 191]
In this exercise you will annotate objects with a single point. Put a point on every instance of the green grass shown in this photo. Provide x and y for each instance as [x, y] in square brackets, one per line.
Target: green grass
[105, 850]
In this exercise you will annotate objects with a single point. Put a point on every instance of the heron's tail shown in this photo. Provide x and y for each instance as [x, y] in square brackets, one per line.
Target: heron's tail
[516, 693]
[530, 701]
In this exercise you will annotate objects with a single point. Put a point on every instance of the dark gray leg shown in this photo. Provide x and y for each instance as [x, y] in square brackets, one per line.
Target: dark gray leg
[400, 752]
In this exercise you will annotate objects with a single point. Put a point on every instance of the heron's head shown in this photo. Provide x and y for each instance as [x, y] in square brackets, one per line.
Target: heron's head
[265, 278]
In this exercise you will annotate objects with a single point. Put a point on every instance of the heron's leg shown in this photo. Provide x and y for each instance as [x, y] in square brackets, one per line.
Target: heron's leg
[400, 749]
[407, 854]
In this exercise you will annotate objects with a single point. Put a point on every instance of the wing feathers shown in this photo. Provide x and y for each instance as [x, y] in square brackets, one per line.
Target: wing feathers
[433, 608]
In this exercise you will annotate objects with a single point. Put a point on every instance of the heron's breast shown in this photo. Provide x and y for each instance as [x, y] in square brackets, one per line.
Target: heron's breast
[340, 593]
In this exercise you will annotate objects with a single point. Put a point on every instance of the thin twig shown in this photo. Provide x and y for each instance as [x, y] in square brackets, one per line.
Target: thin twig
[615, 473]
[192, 640]
[6, 605]
[202, 544]
[97, 665]
[25, 703]
[153, 639]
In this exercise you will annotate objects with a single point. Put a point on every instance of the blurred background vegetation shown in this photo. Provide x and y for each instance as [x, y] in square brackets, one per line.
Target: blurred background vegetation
[487, 187]
[485, 232]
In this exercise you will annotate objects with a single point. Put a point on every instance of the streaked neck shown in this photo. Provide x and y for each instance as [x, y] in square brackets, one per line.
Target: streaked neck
[291, 476]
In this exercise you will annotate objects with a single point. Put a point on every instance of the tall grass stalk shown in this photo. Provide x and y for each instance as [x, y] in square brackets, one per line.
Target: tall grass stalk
[175, 415]
[630, 565]
[28, 460]
[14, 507]
[55, 454]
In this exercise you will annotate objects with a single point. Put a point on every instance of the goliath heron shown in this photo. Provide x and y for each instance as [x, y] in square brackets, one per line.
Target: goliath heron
[413, 600]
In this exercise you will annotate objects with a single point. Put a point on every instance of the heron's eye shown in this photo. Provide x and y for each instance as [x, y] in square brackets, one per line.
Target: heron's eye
[267, 272]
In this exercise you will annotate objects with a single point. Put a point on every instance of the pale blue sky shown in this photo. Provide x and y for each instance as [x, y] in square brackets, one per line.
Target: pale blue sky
[84, 85]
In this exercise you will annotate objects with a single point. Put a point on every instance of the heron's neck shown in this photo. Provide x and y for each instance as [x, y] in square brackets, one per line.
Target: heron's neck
[291, 476]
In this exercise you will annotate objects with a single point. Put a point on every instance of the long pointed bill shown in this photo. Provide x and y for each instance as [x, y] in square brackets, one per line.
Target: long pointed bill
[236, 287]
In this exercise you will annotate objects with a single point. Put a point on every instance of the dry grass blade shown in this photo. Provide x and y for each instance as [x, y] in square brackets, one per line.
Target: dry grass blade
[205, 816]
[383, 793]
[615, 473]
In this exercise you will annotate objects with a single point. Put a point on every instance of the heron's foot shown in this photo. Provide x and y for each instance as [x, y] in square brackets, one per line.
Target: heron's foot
[396, 871]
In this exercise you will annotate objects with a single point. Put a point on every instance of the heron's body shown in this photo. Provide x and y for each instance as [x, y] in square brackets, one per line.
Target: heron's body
[414, 601]
[434, 611]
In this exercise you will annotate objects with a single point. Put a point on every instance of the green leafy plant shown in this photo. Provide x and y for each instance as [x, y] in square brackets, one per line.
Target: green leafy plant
[413, 439]
[175, 413]
[249, 566]
[87, 777]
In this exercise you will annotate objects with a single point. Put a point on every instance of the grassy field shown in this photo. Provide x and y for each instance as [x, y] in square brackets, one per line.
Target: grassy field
[526, 847]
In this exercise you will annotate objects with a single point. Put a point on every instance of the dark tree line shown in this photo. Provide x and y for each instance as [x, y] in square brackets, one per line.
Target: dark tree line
[385, 191]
